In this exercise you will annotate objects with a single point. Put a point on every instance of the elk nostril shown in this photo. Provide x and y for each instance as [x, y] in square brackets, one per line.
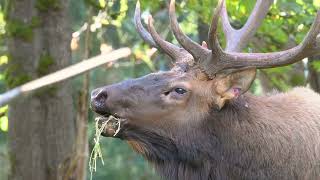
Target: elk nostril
[102, 96]
[98, 100]
[95, 92]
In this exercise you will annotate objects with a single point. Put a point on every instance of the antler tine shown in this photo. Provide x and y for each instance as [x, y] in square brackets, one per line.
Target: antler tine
[155, 40]
[311, 40]
[192, 47]
[141, 30]
[172, 50]
[259, 12]
[230, 59]
[226, 26]
[238, 39]
[214, 44]
[309, 46]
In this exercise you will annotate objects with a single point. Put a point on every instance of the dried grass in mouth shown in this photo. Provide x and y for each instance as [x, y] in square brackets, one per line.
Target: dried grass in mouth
[96, 150]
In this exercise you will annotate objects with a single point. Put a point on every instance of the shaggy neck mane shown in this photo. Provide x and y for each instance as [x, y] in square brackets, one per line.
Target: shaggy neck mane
[196, 154]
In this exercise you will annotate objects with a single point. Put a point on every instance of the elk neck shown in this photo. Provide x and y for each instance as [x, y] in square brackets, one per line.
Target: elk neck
[199, 152]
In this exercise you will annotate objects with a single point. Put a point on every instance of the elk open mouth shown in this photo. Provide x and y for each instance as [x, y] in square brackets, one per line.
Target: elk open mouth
[109, 125]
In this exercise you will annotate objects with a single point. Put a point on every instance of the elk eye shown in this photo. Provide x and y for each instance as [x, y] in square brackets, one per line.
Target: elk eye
[180, 91]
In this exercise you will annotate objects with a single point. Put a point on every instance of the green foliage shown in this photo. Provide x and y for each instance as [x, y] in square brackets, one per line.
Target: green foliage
[2, 23]
[45, 62]
[146, 59]
[316, 3]
[35, 22]
[316, 65]
[45, 5]
[297, 80]
[50, 91]
[16, 81]
[97, 4]
[14, 76]
[4, 118]
[19, 29]
[278, 78]
[4, 60]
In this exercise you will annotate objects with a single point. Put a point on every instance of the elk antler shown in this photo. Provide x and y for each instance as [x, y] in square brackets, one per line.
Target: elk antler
[141, 30]
[192, 47]
[237, 39]
[155, 40]
[218, 60]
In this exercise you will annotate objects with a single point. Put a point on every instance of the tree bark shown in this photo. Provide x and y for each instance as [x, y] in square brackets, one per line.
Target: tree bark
[42, 126]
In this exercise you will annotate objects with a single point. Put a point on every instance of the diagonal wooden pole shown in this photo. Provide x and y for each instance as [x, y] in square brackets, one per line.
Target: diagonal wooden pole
[63, 74]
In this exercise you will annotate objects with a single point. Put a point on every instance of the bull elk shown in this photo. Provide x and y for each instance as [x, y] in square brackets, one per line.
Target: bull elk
[197, 120]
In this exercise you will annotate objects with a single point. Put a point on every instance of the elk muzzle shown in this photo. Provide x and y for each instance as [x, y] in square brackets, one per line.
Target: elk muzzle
[101, 103]
[98, 101]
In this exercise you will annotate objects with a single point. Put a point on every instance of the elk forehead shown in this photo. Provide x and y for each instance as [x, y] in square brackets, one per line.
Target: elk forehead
[159, 81]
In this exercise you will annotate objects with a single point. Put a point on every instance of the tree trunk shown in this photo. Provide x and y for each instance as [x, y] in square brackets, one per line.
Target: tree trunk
[42, 126]
[314, 76]
[81, 152]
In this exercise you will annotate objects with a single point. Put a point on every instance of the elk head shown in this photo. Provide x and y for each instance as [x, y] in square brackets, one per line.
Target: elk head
[204, 80]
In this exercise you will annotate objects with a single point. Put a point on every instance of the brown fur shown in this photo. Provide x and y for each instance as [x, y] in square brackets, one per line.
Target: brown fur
[191, 137]
[250, 138]
[196, 122]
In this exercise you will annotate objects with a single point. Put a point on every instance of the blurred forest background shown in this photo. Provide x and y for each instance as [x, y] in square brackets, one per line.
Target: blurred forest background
[45, 135]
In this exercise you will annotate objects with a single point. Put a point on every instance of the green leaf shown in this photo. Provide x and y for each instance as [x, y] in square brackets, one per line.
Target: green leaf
[102, 3]
[3, 109]
[316, 65]
[4, 123]
[316, 3]
[3, 60]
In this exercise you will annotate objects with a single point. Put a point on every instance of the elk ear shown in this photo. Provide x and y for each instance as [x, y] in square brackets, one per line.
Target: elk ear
[231, 86]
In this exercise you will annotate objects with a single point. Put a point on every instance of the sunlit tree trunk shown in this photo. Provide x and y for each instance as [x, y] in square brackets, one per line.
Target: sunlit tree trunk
[42, 126]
